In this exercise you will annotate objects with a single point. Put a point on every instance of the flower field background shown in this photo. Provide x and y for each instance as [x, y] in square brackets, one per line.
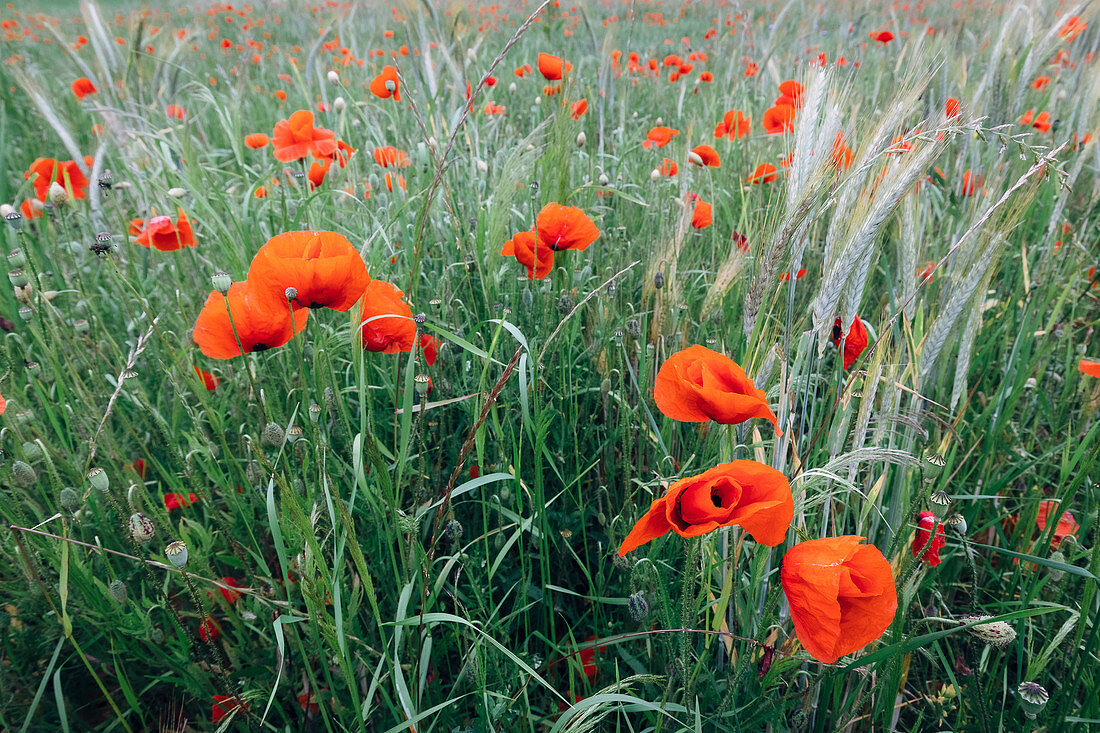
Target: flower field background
[544, 367]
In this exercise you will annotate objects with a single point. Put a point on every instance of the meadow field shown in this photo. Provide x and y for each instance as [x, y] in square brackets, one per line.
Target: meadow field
[616, 365]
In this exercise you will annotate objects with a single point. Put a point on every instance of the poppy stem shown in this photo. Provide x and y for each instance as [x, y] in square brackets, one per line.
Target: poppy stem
[247, 369]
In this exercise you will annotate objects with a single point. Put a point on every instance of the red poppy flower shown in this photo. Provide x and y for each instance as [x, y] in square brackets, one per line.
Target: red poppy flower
[578, 109]
[790, 93]
[708, 155]
[209, 629]
[778, 119]
[178, 501]
[223, 706]
[208, 380]
[390, 156]
[295, 138]
[698, 384]
[67, 174]
[1067, 525]
[925, 521]
[744, 493]
[1089, 367]
[175, 112]
[751, 69]
[1040, 82]
[659, 136]
[797, 276]
[882, 37]
[702, 216]
[552, 67]
[318, 170]
[387, 322]
[537, 256]
[841, 153]
[841, 595]
[854, 343]
[261, 321]
[230, 595]
[83, 86]
[163, 234]
[734, 125]
[951, 108]
[429, 347]
[740, 240]
[565, 227]
[323, 267]
[764, 173]
[668, 168]
[1042, 122]
[256, 140]
[385, 85]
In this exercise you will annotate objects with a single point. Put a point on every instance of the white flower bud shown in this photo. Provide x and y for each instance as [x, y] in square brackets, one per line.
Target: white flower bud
[581, 139]
[339, 104]
[655, 175]
[538, 100]
[482, 166]
[6, 209]
[604, 180]
[57, 194]
[694, 157]
[177, 192]
[333, 77]
[512, 87]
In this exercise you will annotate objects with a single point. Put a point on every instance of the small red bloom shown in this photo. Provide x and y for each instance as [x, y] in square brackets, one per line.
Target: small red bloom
[178, 501]
[925, 521]
[209, 629]
[854, 343]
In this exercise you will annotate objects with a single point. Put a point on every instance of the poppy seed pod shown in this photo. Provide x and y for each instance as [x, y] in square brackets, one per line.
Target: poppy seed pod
[957, 523]
[177, 554]
[221, 282]
[117, 589]
[933, 464]
[314, 413]
[295, 434]
[69, 499]
[99, 479]
[17, 258]
[14, 220]
[26, 313]
[273, 434]
[291, 293]
[23, 473]
[1033, 698]
[142, 528]
[659, 280]
[940, 503]
[17, 277]
[81, 327]
[422, 383]
[565, 303]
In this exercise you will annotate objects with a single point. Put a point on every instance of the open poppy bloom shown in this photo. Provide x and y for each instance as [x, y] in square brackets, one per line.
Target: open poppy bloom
[178, 501]
[67, 174]
[951, 108]
[223, 706]
[698, 384]
[702, 216]
[318, 170]
[925, 521]
[208, 380]
[389, 156]
[162, 233]
[385, 85]
[882, 37]
[256, 140]
[778, 119]
[536, 256]
[262, 322]
[323, 267]
[295, 138]
[1067, 525]
[659, 136]
[734, 125]
[565, 227]
[578, 109]
[708, 156]
[387, 321]
[854, 343]
[841, 595]
[83, 86]
[764, 173]
[668, 168]
[552, 67]
[744, 493]
[1089, 367]
[790, 93]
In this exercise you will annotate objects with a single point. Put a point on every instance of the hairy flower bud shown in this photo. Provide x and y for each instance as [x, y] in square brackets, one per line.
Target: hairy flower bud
[117, 589]
[69, 499]
[273, 434]
[638, 607]
[23, 473]
[997, 634]
[142, 528]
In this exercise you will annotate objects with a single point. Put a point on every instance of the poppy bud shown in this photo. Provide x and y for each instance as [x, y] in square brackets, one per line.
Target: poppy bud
[177, 192]
[638, 607]
[565, 303]
[603, 179]
[1033, 697]
[655, 175]
[221, 282]
[512, 87]
[659, 280]
[940, 502]
[482, 166]
[17, 258]
[452, 530]
[997, 634]
[1055, 574]
[339, 105]
[273, 434]
[117, 589]
[177, 553]
[330, 398]
[694, 157]
[314, 413]
[333, 77]
[142, 528]
[57, 194]
[581, 139]
[957, 523]
[99, 479]
[81, 327]
[69, 499]
[23, 473]
[528, 298]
